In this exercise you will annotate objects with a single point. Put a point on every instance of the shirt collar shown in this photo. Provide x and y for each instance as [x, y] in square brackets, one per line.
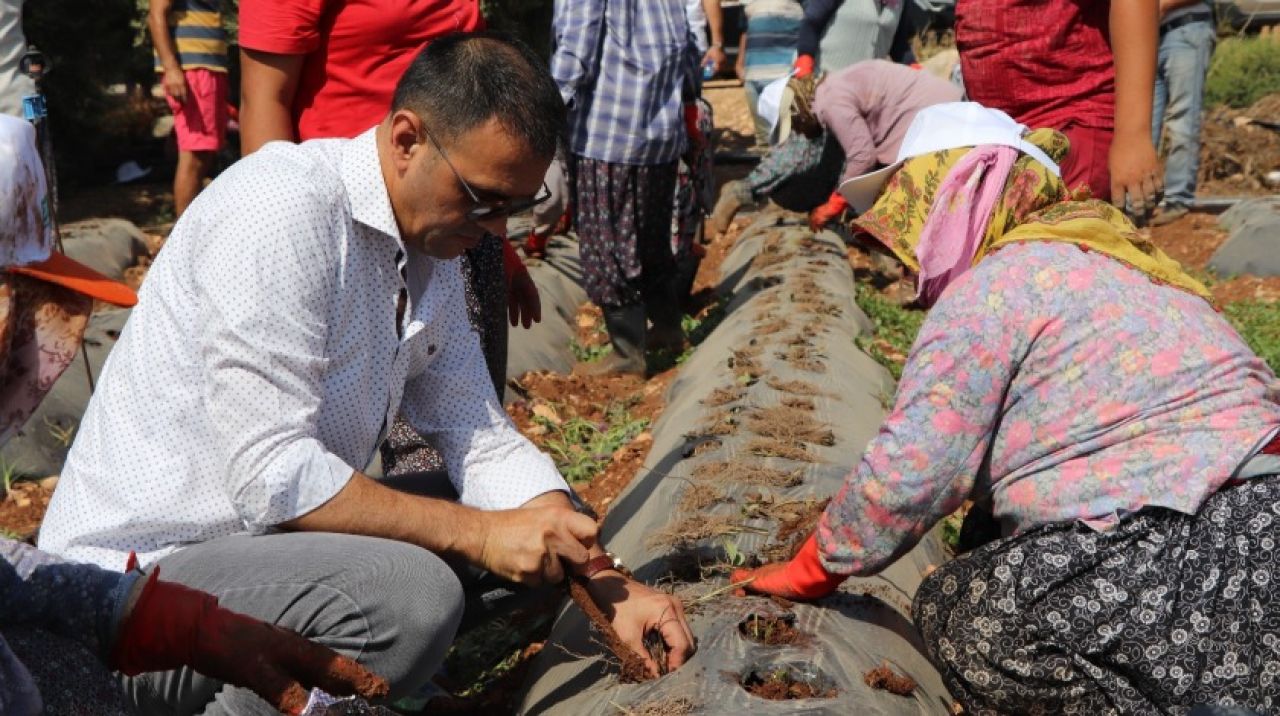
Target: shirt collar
[366, 189]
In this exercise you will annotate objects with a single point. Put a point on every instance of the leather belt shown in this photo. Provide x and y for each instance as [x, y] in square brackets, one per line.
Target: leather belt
[1181, 20]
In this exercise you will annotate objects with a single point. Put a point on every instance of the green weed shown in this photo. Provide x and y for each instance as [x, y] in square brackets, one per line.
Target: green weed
[1243, 70]
[589, 354]
[896, 329]
[581, 448]
[1259, 324]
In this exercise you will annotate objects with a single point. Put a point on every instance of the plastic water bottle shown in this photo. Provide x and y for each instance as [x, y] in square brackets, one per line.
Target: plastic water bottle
[708, 69]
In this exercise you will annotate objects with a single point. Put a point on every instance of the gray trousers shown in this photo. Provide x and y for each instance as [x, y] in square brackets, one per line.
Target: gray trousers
[392, 606]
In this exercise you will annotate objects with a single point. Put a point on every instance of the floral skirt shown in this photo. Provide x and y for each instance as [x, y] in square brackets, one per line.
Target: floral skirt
[1163, 612]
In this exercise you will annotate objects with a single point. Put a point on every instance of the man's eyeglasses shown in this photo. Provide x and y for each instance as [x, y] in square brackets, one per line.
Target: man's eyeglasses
[483, 211]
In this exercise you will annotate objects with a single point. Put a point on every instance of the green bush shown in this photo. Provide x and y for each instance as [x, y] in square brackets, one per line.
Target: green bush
[1243, 70]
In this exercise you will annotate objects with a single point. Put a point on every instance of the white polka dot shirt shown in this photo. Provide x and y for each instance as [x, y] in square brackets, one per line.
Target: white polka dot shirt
[264, 362]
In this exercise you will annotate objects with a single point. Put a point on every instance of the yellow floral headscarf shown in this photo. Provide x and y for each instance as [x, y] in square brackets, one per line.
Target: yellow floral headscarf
[1035, 206]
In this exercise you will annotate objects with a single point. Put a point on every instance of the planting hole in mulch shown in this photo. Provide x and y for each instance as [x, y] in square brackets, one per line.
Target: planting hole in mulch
[886, 679]
[700, 446]
[772, 629]
[784, 682]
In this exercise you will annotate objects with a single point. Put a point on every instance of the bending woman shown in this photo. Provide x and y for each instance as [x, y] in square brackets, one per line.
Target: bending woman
[1074, 381]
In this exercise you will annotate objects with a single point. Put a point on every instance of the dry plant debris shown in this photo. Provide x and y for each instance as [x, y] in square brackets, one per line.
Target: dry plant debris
[747, 474]
[790, 425]
[886, 679]
[792, 533]
[693, 528]
[665, 706]
[796, 403]
[804, 358]
[792, 387]
[768, 447]
[698, 496]
[701, 447]
[723, 396]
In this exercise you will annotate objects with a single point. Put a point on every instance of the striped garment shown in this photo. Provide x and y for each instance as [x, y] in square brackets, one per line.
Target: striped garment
[622, 67]
[198, 35]
[773, 28]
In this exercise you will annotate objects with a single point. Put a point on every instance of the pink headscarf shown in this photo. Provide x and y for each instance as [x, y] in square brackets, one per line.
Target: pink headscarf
[958, 220]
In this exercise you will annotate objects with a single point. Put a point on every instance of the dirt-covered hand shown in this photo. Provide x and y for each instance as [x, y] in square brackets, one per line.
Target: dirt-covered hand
[172, 626]
[828, 212]
[635, 611]
[525, 545]
[1136, 175]
[175, 85]
[524, 307]
[801, 579]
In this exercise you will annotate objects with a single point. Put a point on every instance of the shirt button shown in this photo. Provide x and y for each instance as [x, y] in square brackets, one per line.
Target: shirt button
[431, 349]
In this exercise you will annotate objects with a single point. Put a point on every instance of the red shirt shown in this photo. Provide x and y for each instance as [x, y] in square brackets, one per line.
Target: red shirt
[355, 51]
[1047, 63]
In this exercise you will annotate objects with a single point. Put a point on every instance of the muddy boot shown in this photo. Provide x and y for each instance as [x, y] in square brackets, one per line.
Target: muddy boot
[733, 196]
[626, 326]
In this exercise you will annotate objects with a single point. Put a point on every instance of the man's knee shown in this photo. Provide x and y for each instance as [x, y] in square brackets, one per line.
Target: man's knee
[424, 624]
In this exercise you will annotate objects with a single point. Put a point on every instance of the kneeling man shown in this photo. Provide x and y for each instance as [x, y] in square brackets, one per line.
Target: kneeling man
[310, 294]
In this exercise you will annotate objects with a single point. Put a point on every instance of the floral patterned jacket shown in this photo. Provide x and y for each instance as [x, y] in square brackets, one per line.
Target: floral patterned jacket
[1061, 385]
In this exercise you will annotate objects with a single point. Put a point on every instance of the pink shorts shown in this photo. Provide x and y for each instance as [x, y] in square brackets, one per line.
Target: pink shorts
[200, 123]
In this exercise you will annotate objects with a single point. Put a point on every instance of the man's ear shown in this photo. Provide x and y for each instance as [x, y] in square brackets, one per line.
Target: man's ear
[404, 136]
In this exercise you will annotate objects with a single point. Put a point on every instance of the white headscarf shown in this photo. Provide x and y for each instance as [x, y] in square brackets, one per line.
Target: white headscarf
[26, 227]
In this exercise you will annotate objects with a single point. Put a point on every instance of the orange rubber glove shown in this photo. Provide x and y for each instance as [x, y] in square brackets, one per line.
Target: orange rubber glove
[828, 212]
[802, 579]
[803, 66]
[172, 626]
[523, 305]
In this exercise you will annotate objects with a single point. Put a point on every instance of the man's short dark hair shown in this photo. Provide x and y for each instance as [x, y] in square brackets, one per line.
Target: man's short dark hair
[462, 80]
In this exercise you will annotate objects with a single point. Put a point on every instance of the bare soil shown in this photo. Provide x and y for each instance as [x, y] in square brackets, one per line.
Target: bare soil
[886, 679]
[773, 630]
[1192, 240]
[23, 507]
[1235, 153]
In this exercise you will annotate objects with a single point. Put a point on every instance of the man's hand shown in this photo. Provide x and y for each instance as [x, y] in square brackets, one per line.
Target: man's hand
[1136, 175]
[525, 545]
[716, 55]
[175, 84]
[523, 304]
[635, 610]
[171, 626]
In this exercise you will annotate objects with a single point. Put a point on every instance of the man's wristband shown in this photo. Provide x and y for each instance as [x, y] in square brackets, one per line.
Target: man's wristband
[605, 561]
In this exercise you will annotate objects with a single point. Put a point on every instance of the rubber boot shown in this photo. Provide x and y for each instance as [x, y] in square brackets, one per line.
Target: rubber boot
[664, 305]
[733, 196]
[627, 330]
